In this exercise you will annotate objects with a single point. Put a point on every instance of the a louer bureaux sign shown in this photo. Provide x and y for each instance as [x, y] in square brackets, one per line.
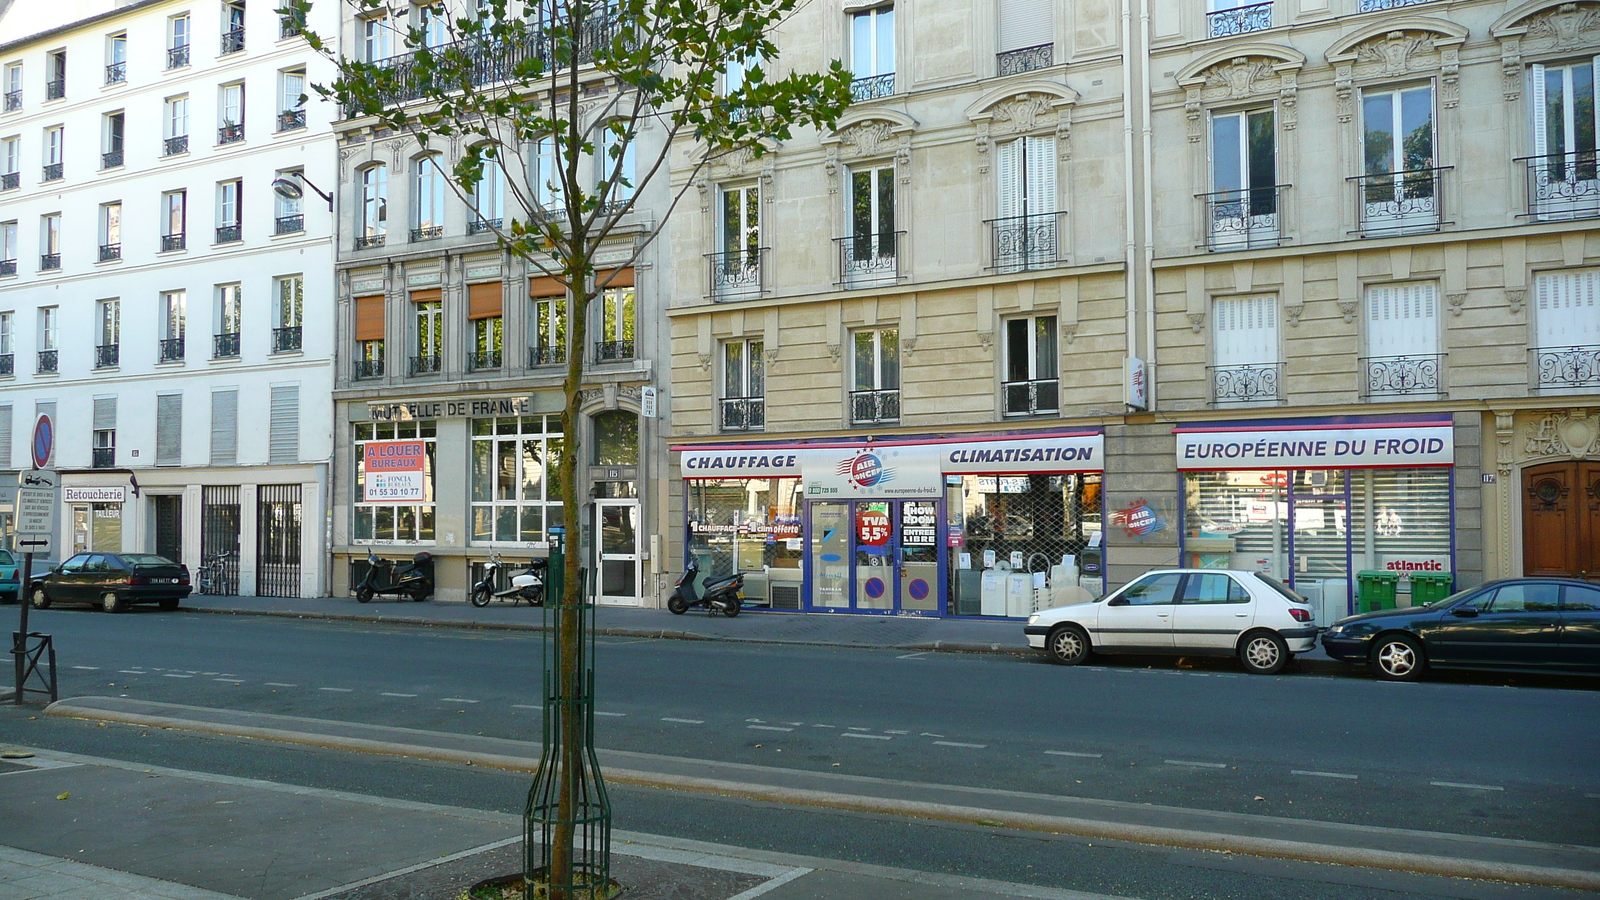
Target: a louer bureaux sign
[393, 471]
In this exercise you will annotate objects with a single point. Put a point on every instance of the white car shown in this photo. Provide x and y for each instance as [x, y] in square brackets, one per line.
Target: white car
[1194, 612]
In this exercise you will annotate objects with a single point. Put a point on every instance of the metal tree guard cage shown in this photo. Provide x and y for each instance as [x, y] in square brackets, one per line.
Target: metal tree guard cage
[568, 790]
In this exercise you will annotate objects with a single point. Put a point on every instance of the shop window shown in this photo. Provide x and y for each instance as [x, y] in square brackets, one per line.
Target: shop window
[1032, 385]
[1046, 526]
[1244, 349]
[616, 438]
[875, 396]
[1402, 338]
[410, 518]
[744, 402]
[749, 525]
[516, 477]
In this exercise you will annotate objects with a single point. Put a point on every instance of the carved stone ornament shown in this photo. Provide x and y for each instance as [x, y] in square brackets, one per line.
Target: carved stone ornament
[1347, 308]
[771, 354]
[908, 346]
[1516, 297]
[1243, 77]
[1069, 331]
[1197, 322]
[1239, 79]
[1041, 107]
[1292, 312]
[1559, 28]
[705, 361]
[986, 339]
[1456, 302]
[1394, 52]
[1570, 433]
[834, 350]
[1414, 46]
[871, 138]
[1024, 114]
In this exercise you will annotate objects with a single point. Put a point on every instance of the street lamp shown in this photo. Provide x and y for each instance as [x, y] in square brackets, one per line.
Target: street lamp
[289, 188]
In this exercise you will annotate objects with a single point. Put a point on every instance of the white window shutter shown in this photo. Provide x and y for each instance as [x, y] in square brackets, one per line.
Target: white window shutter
[1041, 186]
[105, 414]
[224, 427]
[1568, 308]
[1244, 331]
[1008, 169]
[284, 426]
[5, 436]
[1402, 320]
[1025, 23]
[1536, 97]
[169, 429]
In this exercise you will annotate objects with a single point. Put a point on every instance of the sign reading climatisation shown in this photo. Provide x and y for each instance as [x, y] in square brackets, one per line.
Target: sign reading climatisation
[87, 494]
[1318, 448]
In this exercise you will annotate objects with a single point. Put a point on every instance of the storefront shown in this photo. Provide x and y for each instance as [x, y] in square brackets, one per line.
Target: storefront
[1314, 502]
[992, 525]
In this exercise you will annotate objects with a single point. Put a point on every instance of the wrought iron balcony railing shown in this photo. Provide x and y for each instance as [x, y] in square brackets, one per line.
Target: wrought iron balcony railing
[290, 119]
[1402, 376]
[171, 242]
[8, 267]
[872, 87]
[427, 233]
[286, 339]
[1400, 202]
[116, 73]
[1239, 20]
[743, 413]
[548, 355]
[230, 133]
[8, 364]
[288, 224]
[1027, 59]
[13, 100]
[55, 90]
[178, 57]
[170, 350]
[111, 159]
[227, 234]
[49, 261]
[52, 172]
[738, 274]
[479, 226]
[232, 41]
[109, 252]
[1249, 383]
[868, 260]
[426, 365]
[613, 351]
[104, 458]
[1243, 219]
[872, 407]
[1375, 5]
[225, 345]
[368, 241]
[485, 359]
[1030, 398]
[10, 181]
[1566, 367]
[1563, 185]
[172, 146]
[1023, 243]
[107, 355]
[368, 368]
[46, 361]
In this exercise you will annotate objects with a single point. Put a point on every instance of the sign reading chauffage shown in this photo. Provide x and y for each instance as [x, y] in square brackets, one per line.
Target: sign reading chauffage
[394, 472]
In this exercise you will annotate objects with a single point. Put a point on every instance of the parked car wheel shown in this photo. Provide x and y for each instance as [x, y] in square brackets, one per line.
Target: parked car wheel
[1263, 653]
[169, 604]
[1069, 645]
[1396, 657]
[110, 602]
[41, 600]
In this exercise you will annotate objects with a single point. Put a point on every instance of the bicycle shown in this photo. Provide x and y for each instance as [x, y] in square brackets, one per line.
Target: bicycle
[212, 575]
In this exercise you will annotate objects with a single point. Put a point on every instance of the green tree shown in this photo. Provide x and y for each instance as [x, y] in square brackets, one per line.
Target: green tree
[574, 83]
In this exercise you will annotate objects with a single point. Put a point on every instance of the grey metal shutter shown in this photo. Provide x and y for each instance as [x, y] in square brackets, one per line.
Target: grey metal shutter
[169, 429]
[284, 442]
[105, 414]
[1025, 23]
[45, 408]
[5, 437]
[224, 427]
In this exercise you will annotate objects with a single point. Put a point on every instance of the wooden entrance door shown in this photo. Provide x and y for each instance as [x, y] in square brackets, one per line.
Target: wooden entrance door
[1561, 520]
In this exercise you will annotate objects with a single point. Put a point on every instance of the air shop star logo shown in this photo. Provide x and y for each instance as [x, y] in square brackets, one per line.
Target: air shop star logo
[865, 469]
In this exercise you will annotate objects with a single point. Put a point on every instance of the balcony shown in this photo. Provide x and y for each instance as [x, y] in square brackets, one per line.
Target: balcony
[479, 226]
[1024, 243]
[110, 252]
[743, 413]
[178, 57]
[230, 134]
[368, 368]
[8, 364]
[232, 41]
[1402, 376]
[426, 365]
[46, 362]
[1242, 219]
[286, 340]
[546, 356]
[170, 350]
[8, 267]
[1563, 186]
[874, 407]
[116, 73]
[1393, 203]
[52, 172]
[1027, 59]
[290, 119]
[869, 260]
[367, 242]
[10, 181]
[111, 159]
[106, 356]
[172, 146]
[55, 90]
[288, 224]
[1032, 398]
[1239, 20]
[1252, 383]
[1564, 368]
[225, 345]
[13, 100]
[484, 360]
[427, 233]
[1375, 5]
[613, 351]
[872, 87]
[49, 261]
[228, 234]
[738, 274]
[171, 242]
[104, 458]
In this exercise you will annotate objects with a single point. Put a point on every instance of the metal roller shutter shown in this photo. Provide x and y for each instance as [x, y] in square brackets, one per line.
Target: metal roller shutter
[224, 427]
[169, 429]
[284, 428]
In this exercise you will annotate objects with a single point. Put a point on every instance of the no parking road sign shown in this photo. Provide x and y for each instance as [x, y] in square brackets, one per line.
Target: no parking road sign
[44, 441]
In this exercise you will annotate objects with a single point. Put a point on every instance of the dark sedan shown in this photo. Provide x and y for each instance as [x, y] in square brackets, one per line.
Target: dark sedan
[1552, 624]
[113, 581]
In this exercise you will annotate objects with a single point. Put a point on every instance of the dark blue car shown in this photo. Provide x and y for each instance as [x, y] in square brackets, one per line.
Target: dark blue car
[1549, 624]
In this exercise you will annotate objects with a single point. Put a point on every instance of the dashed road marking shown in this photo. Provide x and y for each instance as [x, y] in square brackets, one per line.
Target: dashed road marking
[865, 737]
[1074, 753]
[1466, 786]
[929, 734]
[683, 721]
[526, 706]
[1321, 774]
[174, 675]
[1193, 764]
[769, 728]
[1593, 796]
[960, 744]
[598, 713]
[229, 680]
[281, 684]
[336, 690]
[88, 668]
[820, 725]
[892, 731]
[390, 694]
[857, 728]
[911, 655]
[456, 700]
[132, 672]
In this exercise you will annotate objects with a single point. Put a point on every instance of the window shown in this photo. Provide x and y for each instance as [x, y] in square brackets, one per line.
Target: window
[1242, 208]
[117, 58]
[283, 425]
[1403, 355]
[435, 25]
[45, 341]
[173, 315]
[54, 145]
[388, 521]
[1153, 590]
[288, 313]
[174, 218]
[291, 99]
[288, 211]
[50, 241]
[736, 268]
[110, 334]
[1563, 179]
[375, 38]
[872, 53]
[169, 429]
[616, 159]
[110, 231]
[1399, 182]
[8, 341]
[1567, 329]
[1032, 385]
[1214, 589]
[1517, 598]
[105, 439]
[229, 196]
[616, 438]
[10, 163]
[547, 191]
[1027, 36]
[744, 404]
[8, 247]
[1024, 231]
[488, 198]
[368, 335]
[616, 325]
[13, 87]
[374, 206]
[875, 392]
[232, 26]
[177, 41]
[427, 199]
[487, 342]
[1244, 349]
[176, 126]
[230, 113]
[112, 126]
[225, 343]
[549, 319]
[1231, 17]
[868, 255]
[736, 71]
[56, 75]
[429, 331]
[516, 470]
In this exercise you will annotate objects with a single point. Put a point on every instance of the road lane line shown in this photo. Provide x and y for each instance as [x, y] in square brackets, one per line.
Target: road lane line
[337, 690]
[132, 672]
[280, 684]
[1193, 764]
[769, 728]
[229, 680]
[959, 744]
[683, 721]
[1593, 796]
[88, 668]
[820, 725]
[857, 728]
[610, 714]
[526, 706]
[892, 731]
[911, 655]
[1073, 753]
[1465, 786]
[388, 694]
[456, 700]
[174, 675]
[1321, 774]
[865, 737]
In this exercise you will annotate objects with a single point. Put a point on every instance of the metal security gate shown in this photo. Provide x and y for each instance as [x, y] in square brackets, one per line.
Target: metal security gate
[219, 540]
[169, 526]
[278, 540]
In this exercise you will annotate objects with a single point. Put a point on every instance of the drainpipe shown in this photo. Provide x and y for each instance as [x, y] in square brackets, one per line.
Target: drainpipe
[1149, 260]
[1130, 245]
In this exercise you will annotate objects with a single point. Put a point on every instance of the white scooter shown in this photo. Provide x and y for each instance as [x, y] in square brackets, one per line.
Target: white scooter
[528, 585]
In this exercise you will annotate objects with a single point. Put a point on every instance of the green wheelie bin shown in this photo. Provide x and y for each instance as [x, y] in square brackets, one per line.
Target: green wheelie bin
[1375, 590]
[1426, 587]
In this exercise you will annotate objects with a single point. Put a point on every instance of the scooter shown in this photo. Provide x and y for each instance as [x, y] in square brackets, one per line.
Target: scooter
[722, 595]
[413, 579]
[526, 586]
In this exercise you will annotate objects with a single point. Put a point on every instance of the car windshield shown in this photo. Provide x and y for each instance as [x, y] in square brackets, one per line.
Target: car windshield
[6, 559]
[146, 559]
[1280, 587]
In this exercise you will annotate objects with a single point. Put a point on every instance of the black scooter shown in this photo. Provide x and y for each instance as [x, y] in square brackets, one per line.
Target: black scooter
[722, 595]
[413, 579]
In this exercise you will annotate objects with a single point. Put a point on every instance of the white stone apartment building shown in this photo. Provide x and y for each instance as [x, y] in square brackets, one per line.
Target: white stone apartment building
[1079, 289]
[158, 297]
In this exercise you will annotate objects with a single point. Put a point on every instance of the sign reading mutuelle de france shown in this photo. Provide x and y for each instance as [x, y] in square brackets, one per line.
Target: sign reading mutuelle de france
[408, 410]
